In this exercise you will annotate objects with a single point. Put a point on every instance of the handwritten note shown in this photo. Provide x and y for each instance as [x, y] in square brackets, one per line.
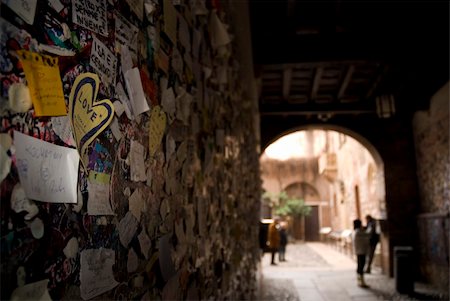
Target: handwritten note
[61, 126]
[137, 168]
[103, 61]
[91, 15]
[26, 9]
[127, 228]
[126, 35]
[98, 202]
[96, 274]
[33, 291]
[47, 172]
[134, 86]
[44, 81]
[88, 116]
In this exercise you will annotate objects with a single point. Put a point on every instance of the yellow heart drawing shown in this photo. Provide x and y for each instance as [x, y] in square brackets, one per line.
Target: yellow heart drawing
[157, 127]
[88, 116]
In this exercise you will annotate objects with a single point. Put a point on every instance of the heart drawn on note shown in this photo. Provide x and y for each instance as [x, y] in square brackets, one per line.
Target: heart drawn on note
[157, 127]
[88, 116]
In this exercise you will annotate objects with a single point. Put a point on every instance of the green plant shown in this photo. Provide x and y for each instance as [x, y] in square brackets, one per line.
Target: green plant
[288, 206]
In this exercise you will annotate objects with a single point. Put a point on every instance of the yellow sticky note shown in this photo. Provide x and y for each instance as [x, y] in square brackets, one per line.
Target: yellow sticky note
[44, 81]
[89, 117]
[157, 127]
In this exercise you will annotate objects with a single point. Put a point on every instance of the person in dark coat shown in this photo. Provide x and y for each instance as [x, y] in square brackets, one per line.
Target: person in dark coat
[371, 228]
[283, 242]
[273, 239]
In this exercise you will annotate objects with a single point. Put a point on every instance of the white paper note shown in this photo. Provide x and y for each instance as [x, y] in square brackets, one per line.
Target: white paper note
[137, 6]
[91, 15]
[126, 35]
[145, 243]
[103, 61]
[36, 291]
[26, 9]
[127, 228]
[98, 202]
[136, 92]
[136, 204]
[96, 274]
[137, 166]
[62, 127]
[5, 163]
[47, 172]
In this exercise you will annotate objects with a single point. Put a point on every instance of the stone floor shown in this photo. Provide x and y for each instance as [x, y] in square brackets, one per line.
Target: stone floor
[317, 272]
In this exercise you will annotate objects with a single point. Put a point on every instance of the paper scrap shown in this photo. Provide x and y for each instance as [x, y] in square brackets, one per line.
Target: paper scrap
[62, 127]
[36, 291]
[5, 163]
[134, 86]
[170, 21]
[136, 204]
[96, 273]
[37, 228]
[26, 9]
[126, 35]
[47, 172]
[44, 81]
[168, 102]
[125, 59]
[137, 168]
[158, 121]
[115, 129]
[20, 202]
[145, 243]
[98, 202]
[88, 116]
[91, 15]
[137, 6]
[127, 228]
[103, 61]
[132, 262]
[56, 4]
[219, 34]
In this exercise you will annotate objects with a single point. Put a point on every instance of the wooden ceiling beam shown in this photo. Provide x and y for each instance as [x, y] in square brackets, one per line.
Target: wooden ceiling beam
[316, 82]
[287, 81]
[267, 109]
[346, 81]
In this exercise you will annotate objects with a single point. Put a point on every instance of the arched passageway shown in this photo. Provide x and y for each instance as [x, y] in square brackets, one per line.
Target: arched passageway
[338, 174]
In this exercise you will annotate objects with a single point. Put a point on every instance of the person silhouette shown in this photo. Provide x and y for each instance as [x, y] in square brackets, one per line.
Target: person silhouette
[360, 239]
[273, 239]
[283, 242]
[371, 228]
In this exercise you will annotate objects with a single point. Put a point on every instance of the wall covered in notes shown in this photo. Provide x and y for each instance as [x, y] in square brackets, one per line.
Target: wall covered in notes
[128, 153]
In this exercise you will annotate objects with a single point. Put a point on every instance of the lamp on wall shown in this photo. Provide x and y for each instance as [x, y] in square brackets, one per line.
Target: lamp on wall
[385, 106]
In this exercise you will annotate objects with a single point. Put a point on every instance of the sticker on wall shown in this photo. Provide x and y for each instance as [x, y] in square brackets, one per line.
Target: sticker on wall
[44, 81]
[103, 61]
[88, 116]
[157, 127]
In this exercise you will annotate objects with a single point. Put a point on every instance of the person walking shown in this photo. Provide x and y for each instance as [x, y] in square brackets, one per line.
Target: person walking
[360, 239]
[273, 239]
[283, 242]
[371, 228]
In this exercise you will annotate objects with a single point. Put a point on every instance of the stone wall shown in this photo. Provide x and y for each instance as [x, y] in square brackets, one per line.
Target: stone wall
[431, 136]
[167, 193]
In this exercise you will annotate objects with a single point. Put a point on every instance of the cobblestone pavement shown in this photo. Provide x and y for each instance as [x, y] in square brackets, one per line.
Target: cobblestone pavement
[317, 272]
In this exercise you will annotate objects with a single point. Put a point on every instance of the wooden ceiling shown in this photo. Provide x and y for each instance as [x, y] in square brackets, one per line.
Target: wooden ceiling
[331, 57]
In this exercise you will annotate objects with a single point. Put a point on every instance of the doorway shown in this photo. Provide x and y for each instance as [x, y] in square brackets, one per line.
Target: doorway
[312, 225]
